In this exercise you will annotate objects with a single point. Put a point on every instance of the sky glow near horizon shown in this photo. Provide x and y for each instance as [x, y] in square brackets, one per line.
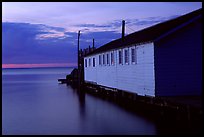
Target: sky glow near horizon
[38, 65]
[51, 27]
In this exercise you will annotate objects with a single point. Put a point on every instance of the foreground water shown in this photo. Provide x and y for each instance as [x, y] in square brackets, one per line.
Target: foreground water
[34, 103]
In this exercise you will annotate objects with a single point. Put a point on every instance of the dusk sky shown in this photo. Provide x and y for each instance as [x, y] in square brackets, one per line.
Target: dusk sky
[40, 34]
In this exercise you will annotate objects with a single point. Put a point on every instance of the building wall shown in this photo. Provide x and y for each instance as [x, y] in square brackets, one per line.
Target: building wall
[90, 72]
[132, 77]
[178, 62]
[106, 74]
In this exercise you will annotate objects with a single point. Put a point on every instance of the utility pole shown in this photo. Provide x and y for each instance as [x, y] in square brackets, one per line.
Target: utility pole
[78, 61]
[123, 29]
[78, 49]
[93, 44]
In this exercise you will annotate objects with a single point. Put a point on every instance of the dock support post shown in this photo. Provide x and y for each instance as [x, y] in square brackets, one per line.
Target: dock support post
[188, 115]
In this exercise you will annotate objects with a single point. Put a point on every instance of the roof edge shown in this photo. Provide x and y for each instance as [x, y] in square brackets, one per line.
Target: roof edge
[178, 27]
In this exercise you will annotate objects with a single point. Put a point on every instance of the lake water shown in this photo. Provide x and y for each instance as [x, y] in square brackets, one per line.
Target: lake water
[33, 103]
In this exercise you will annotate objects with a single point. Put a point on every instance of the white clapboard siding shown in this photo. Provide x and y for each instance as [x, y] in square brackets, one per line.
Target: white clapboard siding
[106, 74]
[90, 71]
[137, 78]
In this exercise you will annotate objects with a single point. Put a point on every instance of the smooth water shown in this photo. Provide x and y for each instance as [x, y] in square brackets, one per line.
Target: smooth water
[34, 103]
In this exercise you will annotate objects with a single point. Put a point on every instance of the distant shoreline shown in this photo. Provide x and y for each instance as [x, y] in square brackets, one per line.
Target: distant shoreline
[40, 67]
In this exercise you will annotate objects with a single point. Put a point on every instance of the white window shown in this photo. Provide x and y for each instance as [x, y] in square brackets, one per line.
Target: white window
[126, 56]
[93, 62]
[89, 62]
[103, 59]
[120, 56]
[112, 58]
[133, 55]
[85, 62]
[100, 60]
[107, 57]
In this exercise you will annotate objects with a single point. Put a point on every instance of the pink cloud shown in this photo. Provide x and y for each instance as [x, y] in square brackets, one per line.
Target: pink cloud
[38, 65]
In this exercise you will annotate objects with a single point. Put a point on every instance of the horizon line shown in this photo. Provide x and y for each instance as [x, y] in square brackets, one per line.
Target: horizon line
[42, 65]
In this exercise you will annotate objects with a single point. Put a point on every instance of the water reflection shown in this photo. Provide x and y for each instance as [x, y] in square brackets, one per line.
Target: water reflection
[81, 98]
[157, 125]
[101, 116]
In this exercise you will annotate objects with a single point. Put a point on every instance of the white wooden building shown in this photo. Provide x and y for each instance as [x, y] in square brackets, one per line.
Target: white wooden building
[134, 64]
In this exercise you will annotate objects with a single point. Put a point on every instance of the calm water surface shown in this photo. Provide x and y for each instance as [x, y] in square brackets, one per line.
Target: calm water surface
[34, 103]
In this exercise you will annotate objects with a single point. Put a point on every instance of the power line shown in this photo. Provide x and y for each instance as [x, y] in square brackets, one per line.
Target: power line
[130, 28]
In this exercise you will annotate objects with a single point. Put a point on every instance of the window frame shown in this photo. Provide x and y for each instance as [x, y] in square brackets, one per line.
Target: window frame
[85, 63]
[94, 62]
[135, 54]
[89, 62]
[126, 56]
[104, 60]
[112, 59]
[120, 58]
[100, 60]
[107, 58]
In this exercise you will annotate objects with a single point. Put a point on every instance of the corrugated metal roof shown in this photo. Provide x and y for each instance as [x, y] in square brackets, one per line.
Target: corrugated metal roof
[148, 34]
